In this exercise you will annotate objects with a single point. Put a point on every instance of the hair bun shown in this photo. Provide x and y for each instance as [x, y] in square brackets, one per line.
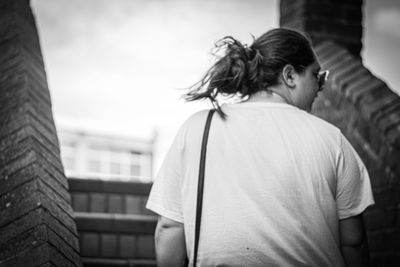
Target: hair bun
[250, 52]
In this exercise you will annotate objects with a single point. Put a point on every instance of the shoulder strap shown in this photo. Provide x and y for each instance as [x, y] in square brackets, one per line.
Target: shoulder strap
[200, 185]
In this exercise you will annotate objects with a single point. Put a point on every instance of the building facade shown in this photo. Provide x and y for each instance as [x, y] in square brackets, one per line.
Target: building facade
[97, 155]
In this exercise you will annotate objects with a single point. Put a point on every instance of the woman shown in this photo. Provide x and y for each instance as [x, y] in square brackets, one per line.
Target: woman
[282, 187]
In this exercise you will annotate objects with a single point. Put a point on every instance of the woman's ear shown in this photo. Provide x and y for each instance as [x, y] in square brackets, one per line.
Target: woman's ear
[288, 76]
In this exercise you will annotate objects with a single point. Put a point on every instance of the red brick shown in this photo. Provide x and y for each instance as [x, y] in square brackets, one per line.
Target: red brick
[339, 59]
[393, 135]
[44, 126]
[20, 225]
[11, 141]
[388, 120]
[322, 11]
[384, 115]
[53, 182]
[350, 43]
[326, 50]
[290, 8]
[297, 25]
[25, 160]
[12, 121]
[390, 155]
[68, 234]
[359, 75]
[48, 264]
[51, 157]
[344, 71]
[37, 217]
[376, 140]
[7, 47]
[40, 109]
[363, 147]
[365, 88]
[32, 238]
[11, 99]
[17, 8]
[33, 64]
[59, 259]
[15, 150]
[11, 71]
[64, 247]
[25, 198]
[387, 259]
[353, 89]
[51, 171]
[55, 197]
[378, 177]
[36, 89]
[354, 13]
[32, 56]
[386, 196]
[64, 216]
[37, 256]
[385, 240]
[378, 219]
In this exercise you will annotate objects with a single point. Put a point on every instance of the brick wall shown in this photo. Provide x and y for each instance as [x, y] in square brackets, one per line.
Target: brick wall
[37, 226]
[362, 106]
[336, 20]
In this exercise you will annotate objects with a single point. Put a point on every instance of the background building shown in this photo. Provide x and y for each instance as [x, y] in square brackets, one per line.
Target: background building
[98, 155]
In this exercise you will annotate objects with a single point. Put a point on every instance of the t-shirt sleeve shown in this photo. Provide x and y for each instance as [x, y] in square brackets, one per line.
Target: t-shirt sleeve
[354, 193]
[165, 194]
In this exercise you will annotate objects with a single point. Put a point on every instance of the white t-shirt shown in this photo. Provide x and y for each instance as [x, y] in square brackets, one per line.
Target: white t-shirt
[277, 181]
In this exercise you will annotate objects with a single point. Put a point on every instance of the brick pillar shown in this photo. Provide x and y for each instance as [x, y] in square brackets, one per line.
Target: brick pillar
[37, 226]
[336, 20]
[365, 109]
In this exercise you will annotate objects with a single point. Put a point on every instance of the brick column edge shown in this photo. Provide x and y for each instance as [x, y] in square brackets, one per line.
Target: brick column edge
[37, 225]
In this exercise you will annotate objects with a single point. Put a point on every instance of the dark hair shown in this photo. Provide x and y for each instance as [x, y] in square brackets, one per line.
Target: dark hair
[245, 70]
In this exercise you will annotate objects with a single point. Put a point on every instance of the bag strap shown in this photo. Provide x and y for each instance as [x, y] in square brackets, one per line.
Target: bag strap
[200, 184]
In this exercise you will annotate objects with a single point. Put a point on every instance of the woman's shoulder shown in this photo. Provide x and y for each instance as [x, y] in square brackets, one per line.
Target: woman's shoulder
[195, 121]
[324, 128]
[324, 124]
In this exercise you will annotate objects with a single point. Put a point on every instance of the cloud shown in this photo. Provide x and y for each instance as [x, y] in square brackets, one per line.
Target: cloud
[387, 21]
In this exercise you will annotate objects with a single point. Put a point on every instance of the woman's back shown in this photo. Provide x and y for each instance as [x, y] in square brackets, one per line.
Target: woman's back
[280, 184]
[270, 187]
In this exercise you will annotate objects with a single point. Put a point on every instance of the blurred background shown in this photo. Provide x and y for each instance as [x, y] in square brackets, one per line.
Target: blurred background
[117, 70]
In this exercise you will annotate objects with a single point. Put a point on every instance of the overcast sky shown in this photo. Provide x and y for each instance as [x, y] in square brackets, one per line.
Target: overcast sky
[120, 66]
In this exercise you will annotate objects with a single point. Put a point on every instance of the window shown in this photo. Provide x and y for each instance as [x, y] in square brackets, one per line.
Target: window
[94, 165]
[115, 168]
[135, 169]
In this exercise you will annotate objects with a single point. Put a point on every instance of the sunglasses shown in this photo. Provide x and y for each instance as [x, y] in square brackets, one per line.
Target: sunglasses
[322, 77]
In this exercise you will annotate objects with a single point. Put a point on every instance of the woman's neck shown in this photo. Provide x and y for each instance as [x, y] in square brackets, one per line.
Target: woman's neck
[265, 96]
